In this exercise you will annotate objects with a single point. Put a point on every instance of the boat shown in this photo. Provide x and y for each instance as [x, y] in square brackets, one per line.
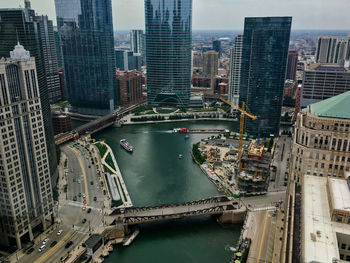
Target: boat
[180, 156]
[124, 143]
[181, 130]
[187, 136]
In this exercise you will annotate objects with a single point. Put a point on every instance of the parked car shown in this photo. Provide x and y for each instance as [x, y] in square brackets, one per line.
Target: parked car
[41, 248]
[92, 183]
[95, 198]
[59, 232]
[53, 243]
[69, 243]
[30, 251]
[45, 241]
[79, 194]
[84, 220]
[75, 198]
[84, 196]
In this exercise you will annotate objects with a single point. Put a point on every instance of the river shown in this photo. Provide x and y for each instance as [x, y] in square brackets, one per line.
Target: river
[155, 175]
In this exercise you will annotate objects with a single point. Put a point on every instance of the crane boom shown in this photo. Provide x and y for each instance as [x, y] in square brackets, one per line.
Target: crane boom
[241, 126]
[239, 109]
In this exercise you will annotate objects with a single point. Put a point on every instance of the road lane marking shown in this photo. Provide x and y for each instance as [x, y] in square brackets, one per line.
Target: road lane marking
[85, 176]
[262, 238]
[55, 248]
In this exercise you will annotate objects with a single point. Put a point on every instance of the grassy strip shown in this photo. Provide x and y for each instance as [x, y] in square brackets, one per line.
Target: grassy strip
[109, 161]
[197, 154]
[164, 111]
[101, 148]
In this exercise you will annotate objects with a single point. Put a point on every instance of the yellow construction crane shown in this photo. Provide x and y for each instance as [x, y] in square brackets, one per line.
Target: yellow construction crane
[241, 126]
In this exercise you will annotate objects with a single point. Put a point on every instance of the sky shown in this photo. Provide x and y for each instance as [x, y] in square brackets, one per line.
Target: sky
[224, 14]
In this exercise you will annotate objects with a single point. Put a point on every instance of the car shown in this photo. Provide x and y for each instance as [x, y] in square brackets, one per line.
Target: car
[53, 243]
[95, 198]
[68, 244]
[45, 241]
[89, 210]
[92, 183]
[75, 198]
[59, 232]
[79, 194]
[84, 221]
[84, 196]
[41, 248]
[74, 180]
[30, 251]
[78, 181]
[89, 166]
[84, 202]
[83, 207]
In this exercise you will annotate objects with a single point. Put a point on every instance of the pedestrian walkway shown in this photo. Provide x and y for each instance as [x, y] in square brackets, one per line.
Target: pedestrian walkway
[123, 191]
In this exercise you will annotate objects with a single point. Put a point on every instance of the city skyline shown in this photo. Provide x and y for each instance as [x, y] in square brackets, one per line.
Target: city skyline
[325, 14]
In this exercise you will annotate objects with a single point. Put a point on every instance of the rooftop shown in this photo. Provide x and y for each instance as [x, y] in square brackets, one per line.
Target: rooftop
[326, 67]
[93, 240]
[319, 233]
[335, 107]
[340, 194]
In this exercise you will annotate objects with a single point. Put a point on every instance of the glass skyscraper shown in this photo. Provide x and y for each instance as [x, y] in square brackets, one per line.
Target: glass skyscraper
[264, 58]
[86, 34]
[168, 51]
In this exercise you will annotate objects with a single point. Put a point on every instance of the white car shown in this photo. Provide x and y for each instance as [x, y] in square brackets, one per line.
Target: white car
[59, 232]
[45, 241]
[84, 196]
[41, 248]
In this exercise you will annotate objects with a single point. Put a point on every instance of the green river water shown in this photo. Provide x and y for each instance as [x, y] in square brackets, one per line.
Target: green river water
[155, 175]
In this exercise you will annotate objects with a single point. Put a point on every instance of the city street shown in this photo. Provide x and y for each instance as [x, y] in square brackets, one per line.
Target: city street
[82, 180]
[280, 161]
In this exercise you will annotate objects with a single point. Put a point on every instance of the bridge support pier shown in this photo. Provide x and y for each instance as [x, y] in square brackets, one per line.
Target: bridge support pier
[233, 216]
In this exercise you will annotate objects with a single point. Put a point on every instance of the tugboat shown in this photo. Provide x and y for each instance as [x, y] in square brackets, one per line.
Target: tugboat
[124, 143]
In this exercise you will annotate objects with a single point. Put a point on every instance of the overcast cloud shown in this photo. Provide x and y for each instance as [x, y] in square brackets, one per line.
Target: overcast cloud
[225, 14]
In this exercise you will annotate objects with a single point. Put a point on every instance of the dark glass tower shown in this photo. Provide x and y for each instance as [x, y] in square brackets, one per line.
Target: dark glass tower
[168, 51]
[86, 34]
[19, 25]
[264, 58]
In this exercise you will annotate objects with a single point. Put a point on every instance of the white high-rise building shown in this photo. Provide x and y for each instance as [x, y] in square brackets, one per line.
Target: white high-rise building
[333, 49]
[235, 70]
[26, 201]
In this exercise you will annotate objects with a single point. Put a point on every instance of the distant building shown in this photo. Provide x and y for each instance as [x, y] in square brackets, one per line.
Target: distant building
[61, 123]
[210, 63]
[264, 59]
[223, 88]
[168, 51]
[323, 81]
[137, 43]
[129, 86]
[127, 60]
[19, 25]
[292, 63]
[321, 144]
[235, 70]
[26, 192]
[86, 37]
[333, 49]
[217, 46]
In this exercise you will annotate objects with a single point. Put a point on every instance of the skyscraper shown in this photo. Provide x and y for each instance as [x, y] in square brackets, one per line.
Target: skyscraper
[168, 51]
[264, 58]
[235, 70]
[86, 35]
[48, 47]
[333, 49]
[292, 63]
[217, 46]
[136, 41]
[210, 63]
[26, 193]
[20, 25]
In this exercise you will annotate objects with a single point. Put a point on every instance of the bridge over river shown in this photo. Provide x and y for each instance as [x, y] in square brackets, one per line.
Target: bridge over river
[230, 211]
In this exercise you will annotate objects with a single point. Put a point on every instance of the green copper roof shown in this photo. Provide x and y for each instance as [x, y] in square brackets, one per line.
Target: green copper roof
[335, 107]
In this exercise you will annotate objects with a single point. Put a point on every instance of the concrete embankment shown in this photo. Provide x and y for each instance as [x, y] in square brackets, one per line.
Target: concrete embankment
[180, 120]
